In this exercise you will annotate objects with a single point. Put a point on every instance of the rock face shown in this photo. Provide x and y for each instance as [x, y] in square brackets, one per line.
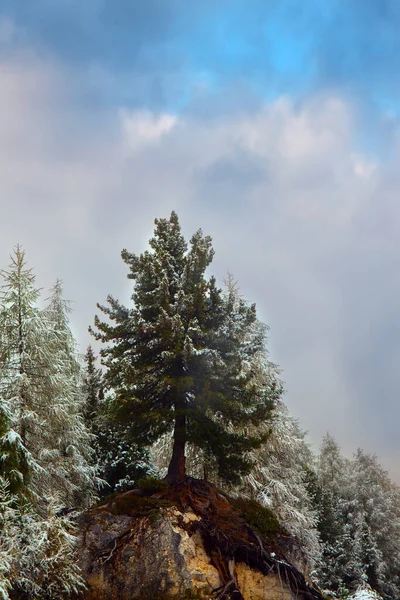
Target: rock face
[125, 558]
[168, 552]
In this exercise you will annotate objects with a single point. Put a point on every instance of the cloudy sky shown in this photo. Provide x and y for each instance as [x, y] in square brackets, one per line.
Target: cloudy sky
[274, 125]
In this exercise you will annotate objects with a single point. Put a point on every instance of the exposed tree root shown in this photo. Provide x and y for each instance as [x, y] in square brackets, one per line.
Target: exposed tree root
[228, 539]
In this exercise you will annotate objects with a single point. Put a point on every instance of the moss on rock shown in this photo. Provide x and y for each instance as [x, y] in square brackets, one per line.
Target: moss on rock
[259, 517]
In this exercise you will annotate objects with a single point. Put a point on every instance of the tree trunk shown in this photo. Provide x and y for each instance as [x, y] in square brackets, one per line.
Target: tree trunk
[22, 406]
[177, 466]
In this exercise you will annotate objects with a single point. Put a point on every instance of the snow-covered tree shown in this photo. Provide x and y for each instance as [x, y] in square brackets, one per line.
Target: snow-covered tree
[278, 480]
[24, 357]
[37, 558]
[16, 462]
[377, 509]
[43, 441]
[45, 565]
[338, 567]
[333, 475]
[119, 462]
[66, 441]
[175, 361]
[9, 546]
[40, 387]
[359, 523]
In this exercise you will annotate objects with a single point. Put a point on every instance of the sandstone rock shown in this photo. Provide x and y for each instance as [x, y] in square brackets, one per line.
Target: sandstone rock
[256, 586]
[124, 558]
[188, 541]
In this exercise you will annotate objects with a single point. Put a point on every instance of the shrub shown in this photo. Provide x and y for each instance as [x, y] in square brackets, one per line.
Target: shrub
[152, 485]
[259, 517]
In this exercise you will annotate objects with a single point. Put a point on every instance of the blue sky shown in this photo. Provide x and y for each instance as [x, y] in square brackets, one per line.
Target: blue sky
[273, 125]
[273, 47]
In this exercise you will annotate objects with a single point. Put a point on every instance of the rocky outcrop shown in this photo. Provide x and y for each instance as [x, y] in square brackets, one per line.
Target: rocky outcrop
[185, 543]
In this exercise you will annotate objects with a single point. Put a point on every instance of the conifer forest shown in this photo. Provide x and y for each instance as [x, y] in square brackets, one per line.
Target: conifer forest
[178, 383]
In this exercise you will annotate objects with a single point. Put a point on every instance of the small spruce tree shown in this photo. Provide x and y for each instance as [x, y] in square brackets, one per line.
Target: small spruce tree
[92, 390]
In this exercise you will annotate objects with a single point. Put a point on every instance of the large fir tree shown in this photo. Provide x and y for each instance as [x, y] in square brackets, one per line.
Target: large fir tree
[175, 359]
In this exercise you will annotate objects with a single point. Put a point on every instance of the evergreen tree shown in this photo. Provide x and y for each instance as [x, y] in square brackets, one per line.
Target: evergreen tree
[120, 463]
[16, 462]
[333, 475]
[9, 545]
[175, 359]
[278, 480]
[40, 386]
[42, 440]
[66, 442]
[92, 390]
[337, 569]
[23, 359]
[359, 523]
[376, 506]
[37, 558]
[45, 565]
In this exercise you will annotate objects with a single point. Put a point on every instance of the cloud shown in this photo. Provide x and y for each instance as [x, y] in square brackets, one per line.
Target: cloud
[143, 126]
[306, 222]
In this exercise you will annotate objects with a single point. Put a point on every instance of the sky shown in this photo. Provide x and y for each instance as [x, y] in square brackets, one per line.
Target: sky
[272, 125]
